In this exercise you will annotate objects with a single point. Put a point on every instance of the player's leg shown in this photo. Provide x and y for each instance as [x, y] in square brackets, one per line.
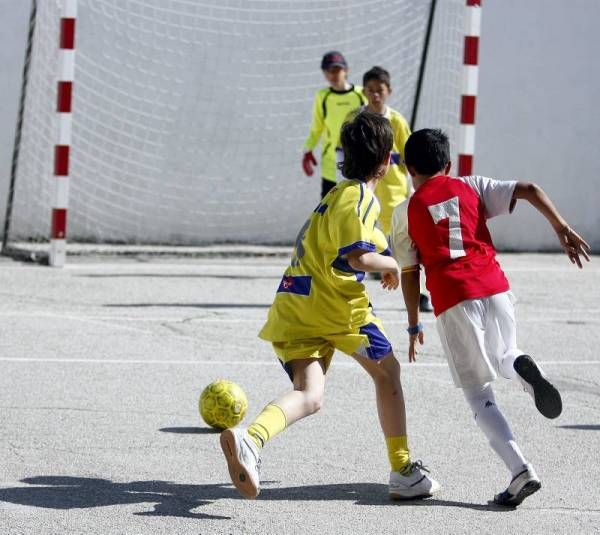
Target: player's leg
[308, 377]
[407, 479]
[492, 422]
[385, 374]
[464, 335]
[242, 446]
[501, 341]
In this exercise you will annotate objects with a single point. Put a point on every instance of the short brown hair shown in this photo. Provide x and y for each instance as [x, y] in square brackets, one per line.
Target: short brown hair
[367, 141]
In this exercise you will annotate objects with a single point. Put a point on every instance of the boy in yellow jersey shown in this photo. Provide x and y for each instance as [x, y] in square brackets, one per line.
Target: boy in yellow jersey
[394, 186]
[322, 305]
[330, 108]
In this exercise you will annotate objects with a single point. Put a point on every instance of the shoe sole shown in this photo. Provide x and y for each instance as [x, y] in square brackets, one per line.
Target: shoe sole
[421, 496]
[527, 490]
[239, 475]
[402, 498]
[547, 398]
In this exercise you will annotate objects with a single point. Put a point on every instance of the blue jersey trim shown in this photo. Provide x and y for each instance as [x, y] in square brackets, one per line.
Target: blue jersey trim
[299, 285]
[379, 345]
[362, 194]
[364, 219]
[320, 209]
[365, 245]
[342, 265]
[287, 366]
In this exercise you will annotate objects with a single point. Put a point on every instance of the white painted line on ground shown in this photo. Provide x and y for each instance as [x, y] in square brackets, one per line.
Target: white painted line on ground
[271, 264]
[228, 319]
[224, 269]
[256, 362]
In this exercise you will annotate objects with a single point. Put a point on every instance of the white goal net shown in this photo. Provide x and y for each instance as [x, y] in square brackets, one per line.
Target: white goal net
[189, 116]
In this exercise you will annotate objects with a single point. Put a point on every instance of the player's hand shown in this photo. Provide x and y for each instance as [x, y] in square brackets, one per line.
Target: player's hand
[390, 280]
[412, 343]
[573, 245]
[308, 161]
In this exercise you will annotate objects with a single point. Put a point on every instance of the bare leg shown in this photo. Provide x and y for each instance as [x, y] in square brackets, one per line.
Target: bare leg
[241, 447]
[307, 396]
[388, 390]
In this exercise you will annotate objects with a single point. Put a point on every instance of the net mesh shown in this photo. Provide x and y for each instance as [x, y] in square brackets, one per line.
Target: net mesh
[189, 116]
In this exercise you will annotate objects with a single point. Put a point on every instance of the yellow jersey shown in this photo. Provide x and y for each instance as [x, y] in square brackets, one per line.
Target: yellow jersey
[330, 108]
[320, 294]
[394, 187]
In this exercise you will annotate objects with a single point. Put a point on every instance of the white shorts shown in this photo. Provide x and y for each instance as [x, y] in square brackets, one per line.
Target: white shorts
[479, 337]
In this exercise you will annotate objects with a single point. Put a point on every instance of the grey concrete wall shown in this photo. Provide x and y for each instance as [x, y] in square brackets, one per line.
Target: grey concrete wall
[537, 118]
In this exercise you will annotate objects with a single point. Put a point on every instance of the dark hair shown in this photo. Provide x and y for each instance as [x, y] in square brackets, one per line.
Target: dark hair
[379, 74]
[333, 59]
[367, 141]
[427, 150]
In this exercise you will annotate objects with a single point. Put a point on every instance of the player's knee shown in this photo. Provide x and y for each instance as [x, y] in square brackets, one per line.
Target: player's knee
[390, 370]
[388, 379]
[390, 365]
[313, 401]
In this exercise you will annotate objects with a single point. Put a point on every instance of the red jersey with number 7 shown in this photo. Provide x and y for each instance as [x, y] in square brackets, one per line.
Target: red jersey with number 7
[447, 224]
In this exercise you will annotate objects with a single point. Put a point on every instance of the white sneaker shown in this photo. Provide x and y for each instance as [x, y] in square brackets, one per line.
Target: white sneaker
[547, 398]
[522, 485]
[243, 461]
[412, 482]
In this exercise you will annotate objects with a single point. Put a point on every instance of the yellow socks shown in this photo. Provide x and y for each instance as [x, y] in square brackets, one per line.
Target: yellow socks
[269, 423]
[398, 453]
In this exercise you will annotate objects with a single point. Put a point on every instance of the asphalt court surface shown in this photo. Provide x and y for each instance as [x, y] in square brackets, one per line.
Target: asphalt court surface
[103, 363]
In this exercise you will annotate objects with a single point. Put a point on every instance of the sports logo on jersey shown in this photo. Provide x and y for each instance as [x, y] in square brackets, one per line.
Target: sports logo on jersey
[299, 285]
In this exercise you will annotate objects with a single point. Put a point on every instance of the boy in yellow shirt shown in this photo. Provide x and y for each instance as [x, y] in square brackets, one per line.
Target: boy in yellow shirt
[394, 187]
[322, 305]
[330, 108]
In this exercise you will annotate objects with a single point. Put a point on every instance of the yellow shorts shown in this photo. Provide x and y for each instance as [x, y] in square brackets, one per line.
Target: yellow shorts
[369, 341]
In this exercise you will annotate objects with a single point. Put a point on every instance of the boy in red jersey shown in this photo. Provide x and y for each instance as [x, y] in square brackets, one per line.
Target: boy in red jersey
[443, 226]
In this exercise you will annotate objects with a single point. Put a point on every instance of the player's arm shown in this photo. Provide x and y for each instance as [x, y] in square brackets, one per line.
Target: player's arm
[405, 253]
[361, 260]
[411, 290]
[572, 243]
[316, 129]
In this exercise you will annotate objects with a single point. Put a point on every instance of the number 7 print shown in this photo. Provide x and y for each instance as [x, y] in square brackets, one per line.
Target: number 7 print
[450, 210]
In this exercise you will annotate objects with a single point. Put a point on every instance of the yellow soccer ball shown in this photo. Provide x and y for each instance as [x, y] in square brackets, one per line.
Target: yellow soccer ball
[223, 404]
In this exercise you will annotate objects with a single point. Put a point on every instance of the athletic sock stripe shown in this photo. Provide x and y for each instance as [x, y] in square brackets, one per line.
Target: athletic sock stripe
[265, 431]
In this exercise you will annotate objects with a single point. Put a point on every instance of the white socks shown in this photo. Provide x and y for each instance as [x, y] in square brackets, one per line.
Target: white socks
[491, 421]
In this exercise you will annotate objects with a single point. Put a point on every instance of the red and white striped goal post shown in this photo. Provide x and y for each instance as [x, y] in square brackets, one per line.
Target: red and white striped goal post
[62, 149]
[466, 148]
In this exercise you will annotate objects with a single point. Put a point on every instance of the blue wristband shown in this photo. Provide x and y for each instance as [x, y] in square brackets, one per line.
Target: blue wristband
[415, 330]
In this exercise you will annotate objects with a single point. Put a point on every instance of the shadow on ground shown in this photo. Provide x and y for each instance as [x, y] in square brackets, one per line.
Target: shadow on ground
[179, 500]
[581, 427]
[175, 276]
[191, 430]
[188, 305]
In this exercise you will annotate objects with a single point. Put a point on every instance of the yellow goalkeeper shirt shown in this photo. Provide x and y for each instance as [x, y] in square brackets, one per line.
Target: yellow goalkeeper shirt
[320, 294]
[330, 108]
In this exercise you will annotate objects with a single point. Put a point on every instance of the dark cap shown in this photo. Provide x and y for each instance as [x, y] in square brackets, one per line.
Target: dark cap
[333, 59]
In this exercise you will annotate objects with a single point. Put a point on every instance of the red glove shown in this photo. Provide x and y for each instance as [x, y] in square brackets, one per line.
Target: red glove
[308, 160]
